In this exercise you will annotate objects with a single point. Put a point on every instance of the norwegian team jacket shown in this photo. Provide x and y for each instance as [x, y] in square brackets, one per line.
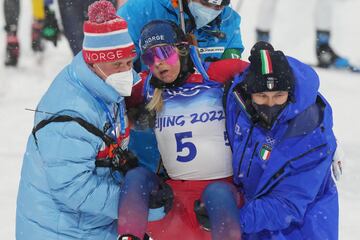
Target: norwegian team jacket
[62, 195]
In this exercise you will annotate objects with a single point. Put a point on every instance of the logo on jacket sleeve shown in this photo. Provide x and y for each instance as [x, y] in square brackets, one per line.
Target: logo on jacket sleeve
[265, 152]
[237, 129]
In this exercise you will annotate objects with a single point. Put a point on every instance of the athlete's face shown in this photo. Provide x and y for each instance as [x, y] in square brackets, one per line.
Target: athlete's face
[165, 63]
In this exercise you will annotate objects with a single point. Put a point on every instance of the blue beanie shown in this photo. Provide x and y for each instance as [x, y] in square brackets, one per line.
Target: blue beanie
[160, 32]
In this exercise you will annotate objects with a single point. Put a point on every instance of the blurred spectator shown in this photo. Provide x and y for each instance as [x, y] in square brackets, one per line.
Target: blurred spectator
[73, 14]
[326, 56]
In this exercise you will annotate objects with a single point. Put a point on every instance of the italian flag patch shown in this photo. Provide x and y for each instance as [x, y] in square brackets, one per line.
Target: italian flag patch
[265, 152]
[266, 64]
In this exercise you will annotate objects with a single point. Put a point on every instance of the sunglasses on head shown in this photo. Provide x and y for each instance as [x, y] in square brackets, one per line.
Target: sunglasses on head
[162, 52]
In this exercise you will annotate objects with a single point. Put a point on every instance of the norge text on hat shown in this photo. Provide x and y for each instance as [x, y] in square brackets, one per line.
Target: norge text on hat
[106, 37]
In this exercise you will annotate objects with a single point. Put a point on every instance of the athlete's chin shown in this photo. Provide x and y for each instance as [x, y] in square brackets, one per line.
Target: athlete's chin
[168, 78]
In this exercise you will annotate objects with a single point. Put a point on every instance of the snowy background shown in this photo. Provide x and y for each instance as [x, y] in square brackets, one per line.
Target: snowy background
[293, 32]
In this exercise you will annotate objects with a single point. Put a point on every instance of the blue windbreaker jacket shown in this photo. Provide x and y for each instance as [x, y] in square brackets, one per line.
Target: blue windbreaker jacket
[137, 13]
[62, 195]
[285, 172]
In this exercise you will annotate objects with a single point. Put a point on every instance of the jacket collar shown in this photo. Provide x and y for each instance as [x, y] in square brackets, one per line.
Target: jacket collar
[168, 4]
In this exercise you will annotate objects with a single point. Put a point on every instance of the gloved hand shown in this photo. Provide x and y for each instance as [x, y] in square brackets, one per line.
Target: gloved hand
[141, 117]
[160, 202]
[338, 162]
[123, 160]
[50, 31]
[211, 59]
[202, 215]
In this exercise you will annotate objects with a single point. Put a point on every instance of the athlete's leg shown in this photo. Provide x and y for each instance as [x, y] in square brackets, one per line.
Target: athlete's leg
[221, 202]
[135, 193]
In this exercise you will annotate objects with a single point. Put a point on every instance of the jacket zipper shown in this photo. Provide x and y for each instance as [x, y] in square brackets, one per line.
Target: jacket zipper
[243, 152]
[252, 156]
[281, 170]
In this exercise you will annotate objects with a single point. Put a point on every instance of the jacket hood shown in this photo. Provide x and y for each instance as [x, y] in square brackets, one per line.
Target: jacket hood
[305, 91]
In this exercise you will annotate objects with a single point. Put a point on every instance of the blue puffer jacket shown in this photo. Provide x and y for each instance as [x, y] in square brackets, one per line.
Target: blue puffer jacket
[285, 171]
[62, 195]
[140, 12]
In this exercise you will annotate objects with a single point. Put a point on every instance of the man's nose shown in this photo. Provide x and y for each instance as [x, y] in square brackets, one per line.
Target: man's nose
[270, 102]
[125, 68]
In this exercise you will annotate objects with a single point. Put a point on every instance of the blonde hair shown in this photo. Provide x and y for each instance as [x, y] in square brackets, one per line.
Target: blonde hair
[156, 102]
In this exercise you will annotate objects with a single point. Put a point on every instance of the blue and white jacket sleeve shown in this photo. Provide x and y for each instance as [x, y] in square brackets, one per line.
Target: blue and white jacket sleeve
[232, 28]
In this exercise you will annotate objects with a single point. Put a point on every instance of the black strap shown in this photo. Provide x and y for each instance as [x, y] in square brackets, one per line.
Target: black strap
[104, 162]
[161, 171]
[227, 87]
[65, 118]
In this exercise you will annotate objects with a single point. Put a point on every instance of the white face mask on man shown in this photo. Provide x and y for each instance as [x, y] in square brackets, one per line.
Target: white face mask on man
[122, 82]
[203, 15]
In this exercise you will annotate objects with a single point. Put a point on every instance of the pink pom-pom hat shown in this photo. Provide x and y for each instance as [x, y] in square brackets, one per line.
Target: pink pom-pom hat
[106, 37]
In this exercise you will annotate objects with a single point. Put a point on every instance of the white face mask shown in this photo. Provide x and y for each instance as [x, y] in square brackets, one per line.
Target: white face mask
[203, 15]
[122, 82]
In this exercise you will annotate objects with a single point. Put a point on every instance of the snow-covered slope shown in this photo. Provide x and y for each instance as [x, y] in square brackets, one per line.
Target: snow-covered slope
[293, 33]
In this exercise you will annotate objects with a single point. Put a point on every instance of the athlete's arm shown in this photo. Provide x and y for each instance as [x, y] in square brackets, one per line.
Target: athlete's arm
[224, 70]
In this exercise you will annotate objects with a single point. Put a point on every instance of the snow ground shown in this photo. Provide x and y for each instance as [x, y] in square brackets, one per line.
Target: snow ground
[293, 33]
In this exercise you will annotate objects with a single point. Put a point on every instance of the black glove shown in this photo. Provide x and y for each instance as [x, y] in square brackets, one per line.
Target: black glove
[124, 160]
[132, 237]
[164, 197]
[202, 215]
[141, 117]
[50, 31]
[211, 59]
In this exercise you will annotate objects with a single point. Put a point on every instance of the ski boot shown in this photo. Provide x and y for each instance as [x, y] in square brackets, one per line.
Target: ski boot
[36, 38]
[325, 54]
[12, 50]
[12, 46]
[262, 35]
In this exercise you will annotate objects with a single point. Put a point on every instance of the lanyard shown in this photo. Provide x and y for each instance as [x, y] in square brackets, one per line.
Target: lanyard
[112, 120]
[121, 108]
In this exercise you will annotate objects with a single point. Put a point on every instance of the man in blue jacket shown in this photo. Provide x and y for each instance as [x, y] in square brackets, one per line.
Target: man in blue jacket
[280, 131]
[67, 190]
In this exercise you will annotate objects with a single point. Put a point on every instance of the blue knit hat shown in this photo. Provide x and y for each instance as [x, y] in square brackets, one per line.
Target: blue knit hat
[160, 32]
